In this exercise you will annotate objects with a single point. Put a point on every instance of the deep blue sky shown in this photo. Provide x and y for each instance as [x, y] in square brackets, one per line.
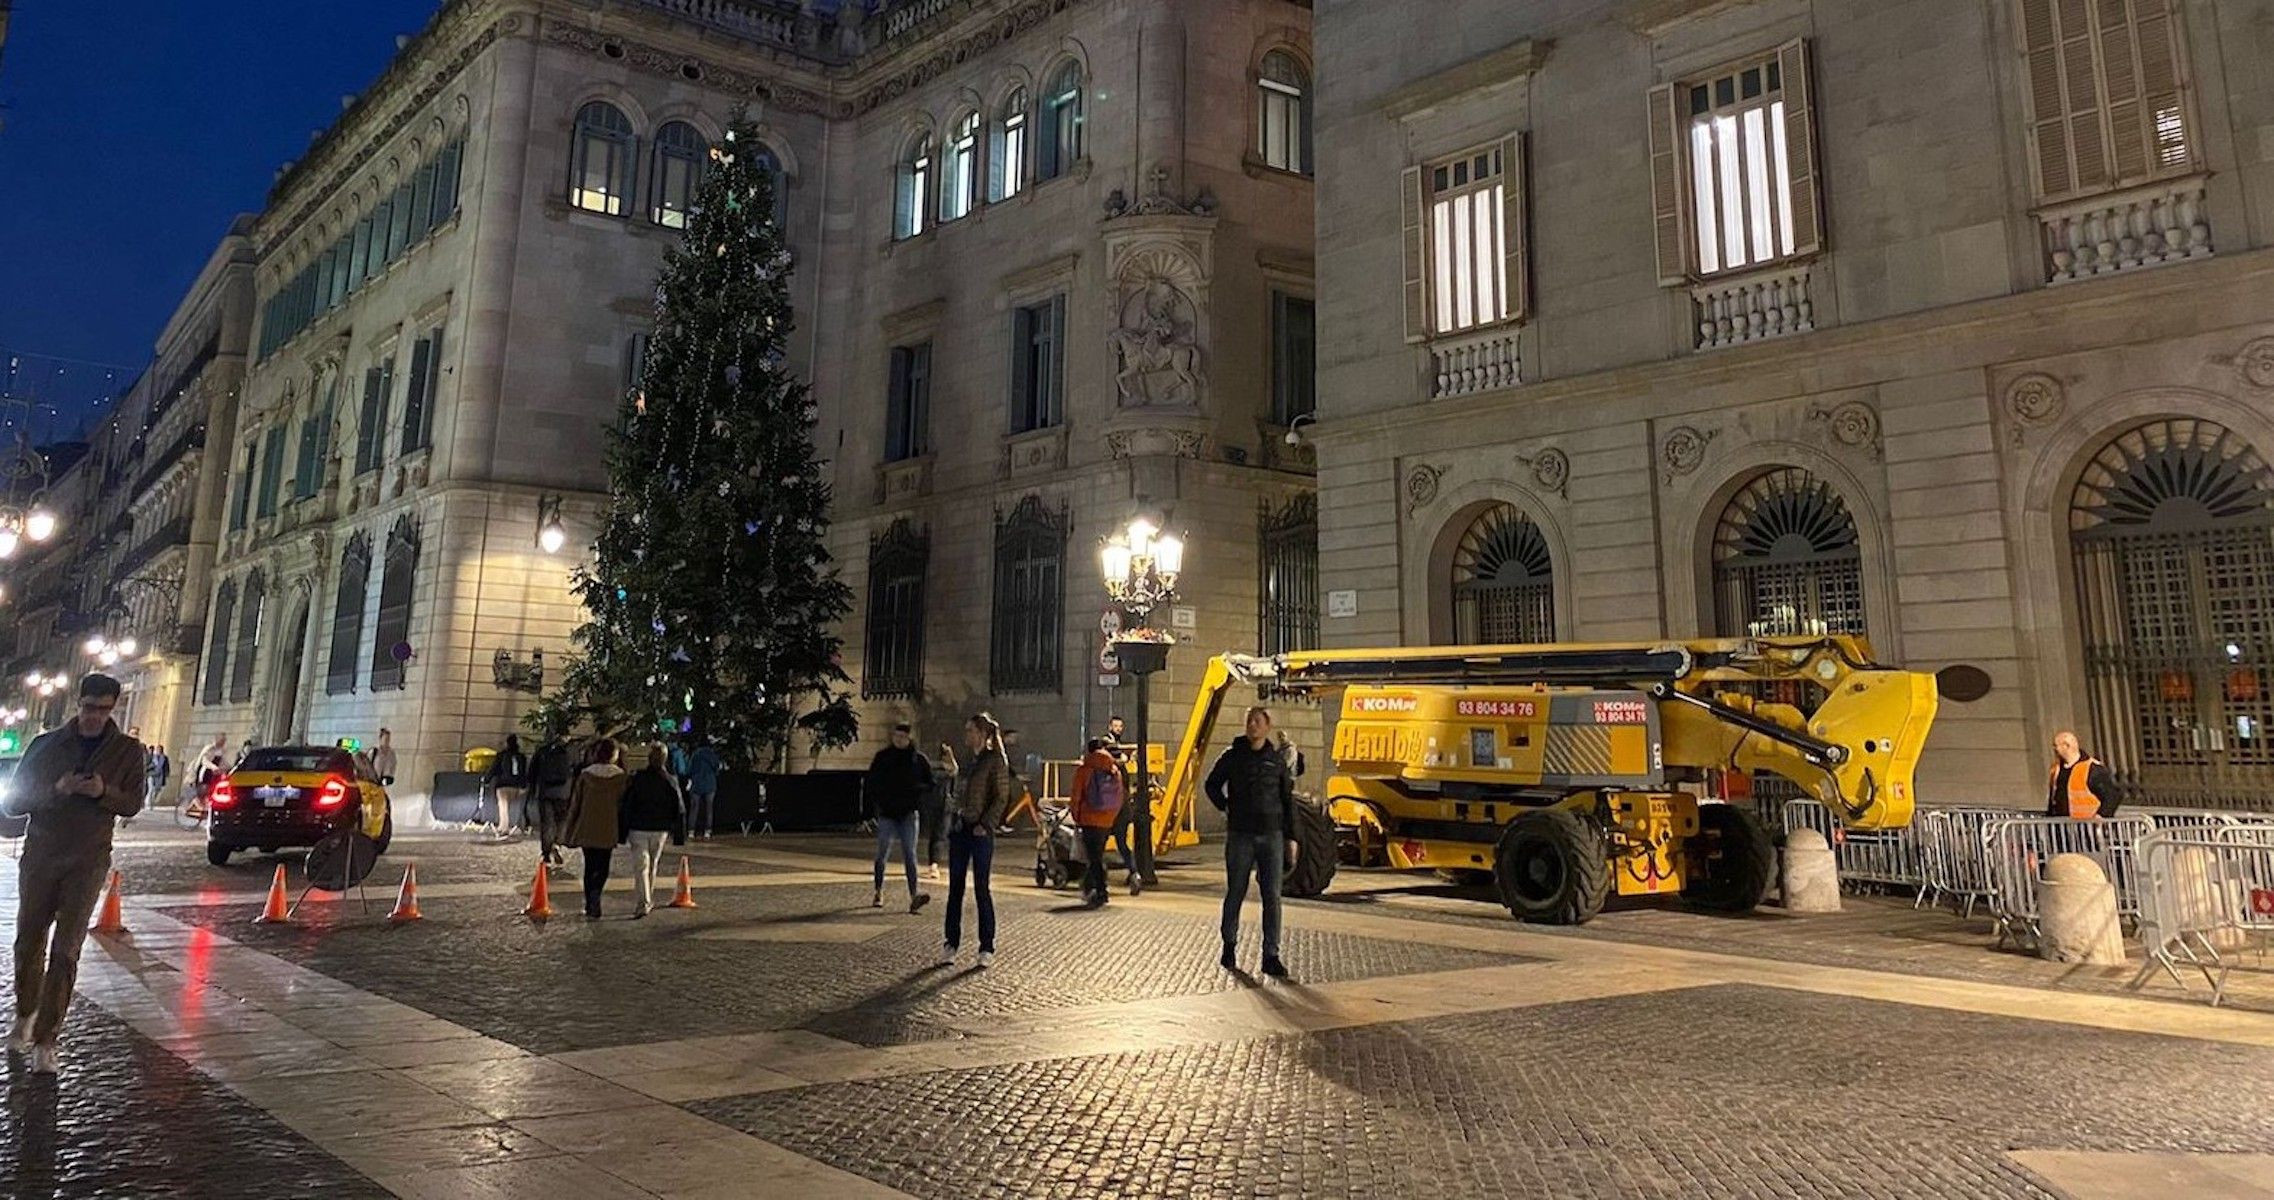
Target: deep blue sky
[134, 130]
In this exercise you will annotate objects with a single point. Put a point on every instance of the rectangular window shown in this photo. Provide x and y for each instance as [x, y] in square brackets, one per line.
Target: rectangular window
[1038, 365]
[307, 465]
[908, 405]
[1027, 633]
[2106, 97]
[370, 433]
[418, 402]
[1287, 591]
[1294, 357]
[342, 259]
[1010, 162]
[384, 245]
[893, 646]
[272, 469]
[1740, 169]
[360, 266]
[635, 361]
[422, 202]
[242, 509]
[1468, 231]
[446, 182]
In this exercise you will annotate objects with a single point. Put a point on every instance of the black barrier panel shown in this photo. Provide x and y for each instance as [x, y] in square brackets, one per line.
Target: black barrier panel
[814, 800]
[457, 797]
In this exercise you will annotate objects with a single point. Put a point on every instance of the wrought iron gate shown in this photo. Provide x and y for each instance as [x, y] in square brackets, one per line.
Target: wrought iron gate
[1503, 581]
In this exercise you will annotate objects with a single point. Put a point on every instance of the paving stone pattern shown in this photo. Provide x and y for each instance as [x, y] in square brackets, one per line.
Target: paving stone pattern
[574, 986]
[125, 1118]
[181, 869]
[1756, 1093]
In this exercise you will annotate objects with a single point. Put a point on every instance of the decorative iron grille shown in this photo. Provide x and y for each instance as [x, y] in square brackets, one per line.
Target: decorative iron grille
[1287, 583]
[894, 642]
[1027, 638]
[1503, 581]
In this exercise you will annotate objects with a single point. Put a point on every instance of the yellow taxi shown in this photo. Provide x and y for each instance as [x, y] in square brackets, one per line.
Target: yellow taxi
[294, 796]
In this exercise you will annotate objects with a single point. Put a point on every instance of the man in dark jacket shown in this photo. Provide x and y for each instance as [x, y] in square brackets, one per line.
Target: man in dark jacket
[2082, 786]
[508, 776]
[651, 810]
[1250, 784]
[551, 770]
[898, 777]
[75, 783]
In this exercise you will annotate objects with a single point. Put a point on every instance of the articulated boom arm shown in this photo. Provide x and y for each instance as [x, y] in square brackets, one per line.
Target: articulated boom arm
[1856, 752]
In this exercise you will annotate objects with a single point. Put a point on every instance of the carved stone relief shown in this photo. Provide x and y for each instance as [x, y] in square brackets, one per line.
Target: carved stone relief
[2256, 362]
[1684, 450]
[1551, 469]
[1421, 485]
[2033, 399]
[1853, 424]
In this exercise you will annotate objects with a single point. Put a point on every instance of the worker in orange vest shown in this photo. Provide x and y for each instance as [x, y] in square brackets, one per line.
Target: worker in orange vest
[2081, 786]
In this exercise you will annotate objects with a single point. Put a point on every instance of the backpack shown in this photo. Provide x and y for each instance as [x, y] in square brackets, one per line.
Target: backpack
[1102, 797]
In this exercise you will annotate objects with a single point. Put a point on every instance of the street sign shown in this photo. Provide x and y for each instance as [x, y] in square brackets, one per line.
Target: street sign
[1342, 603]
[1184, 618]
[1110, 623]
[1108, 661]
[1109, 680]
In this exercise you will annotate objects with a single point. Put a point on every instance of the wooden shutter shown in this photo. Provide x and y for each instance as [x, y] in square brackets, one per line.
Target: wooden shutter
[2155, 34]
[414, 403]
[1669, 199]
[1054, 407]
[1516, 237]
[1022, 369]
[1416, 204]
[896, 406]
[2048, 116]
[1802, 192]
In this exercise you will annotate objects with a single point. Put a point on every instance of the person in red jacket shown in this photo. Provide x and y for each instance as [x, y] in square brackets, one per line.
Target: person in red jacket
[1097, 808]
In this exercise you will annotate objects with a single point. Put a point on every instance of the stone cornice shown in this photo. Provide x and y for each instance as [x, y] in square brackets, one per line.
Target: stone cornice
[935, 54]
[1497, 68]
[659, 60]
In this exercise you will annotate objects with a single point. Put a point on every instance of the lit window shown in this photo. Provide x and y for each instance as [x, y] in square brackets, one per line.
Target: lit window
[1007, 157]
[1740, 175]
[915, 186]
[600, 166]
[1061, 123]
[959, 184]
[1468, 241]
[1283, 117]
[680, 152]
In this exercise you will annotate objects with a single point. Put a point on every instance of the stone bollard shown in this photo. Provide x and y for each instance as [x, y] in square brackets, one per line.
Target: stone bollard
[2076, 913]
[1811, 874]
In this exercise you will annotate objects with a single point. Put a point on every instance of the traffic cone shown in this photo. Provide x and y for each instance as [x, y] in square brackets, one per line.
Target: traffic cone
[112, 919]
[275, 912]
[540, 897]
[686, 896]
[406, 900]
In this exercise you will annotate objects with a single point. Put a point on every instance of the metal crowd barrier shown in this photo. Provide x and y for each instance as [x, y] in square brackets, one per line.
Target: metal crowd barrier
[2017, 849]
[1889, 858]
[1957, 869]
[2205, 890]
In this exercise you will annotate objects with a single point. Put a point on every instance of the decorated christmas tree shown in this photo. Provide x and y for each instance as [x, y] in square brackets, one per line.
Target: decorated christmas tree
[711, 596]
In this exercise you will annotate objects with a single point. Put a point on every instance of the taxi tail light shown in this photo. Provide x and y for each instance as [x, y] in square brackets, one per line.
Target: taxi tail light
[223, 795]
[334, 793]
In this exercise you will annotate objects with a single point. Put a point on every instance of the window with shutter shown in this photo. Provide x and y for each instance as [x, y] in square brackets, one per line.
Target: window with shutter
[1038, 367]
[1464, 236]
[370, 434]
[347, 615]
[395, 589]
[1734, 168]
[1030, 598]
[2106, 86]
[418, 403]
[894, 643]
[248, 637]
[217, 642]
[908, 404]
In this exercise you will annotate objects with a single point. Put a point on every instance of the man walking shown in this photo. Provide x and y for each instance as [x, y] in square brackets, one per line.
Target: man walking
[1119, 747]
[508, 775]
[703, 767]
[1251, 786]
[73, 782]
[2082, 787]
[898, 777]
[550, 772]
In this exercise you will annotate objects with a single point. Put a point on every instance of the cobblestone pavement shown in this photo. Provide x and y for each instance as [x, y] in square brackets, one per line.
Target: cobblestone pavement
[869, 976]
[126, 1118]
[172, 863]
[1723, 1091]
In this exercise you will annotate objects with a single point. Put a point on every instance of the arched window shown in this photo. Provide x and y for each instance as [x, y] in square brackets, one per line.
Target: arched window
[248, 637]
[898, 561]
[2169, 529]
[600, 159]
[1030, 599]
[915, 188]
[394, 625]
[217, 642]
[959, 181]
[1786, 559]
[1007, 146]
[1283, 113]
[778, 179]
[1061, 123]
[1503, 581]
[347, 615]
[680, 154]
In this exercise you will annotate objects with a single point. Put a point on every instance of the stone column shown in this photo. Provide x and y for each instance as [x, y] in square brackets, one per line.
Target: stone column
[495, 184]
[1160, 100]
[1811, 874]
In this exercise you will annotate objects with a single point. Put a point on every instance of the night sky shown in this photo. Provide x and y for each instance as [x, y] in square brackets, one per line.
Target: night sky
[133, 131]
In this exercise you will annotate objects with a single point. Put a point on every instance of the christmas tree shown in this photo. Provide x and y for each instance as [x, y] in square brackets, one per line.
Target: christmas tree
[711, 596]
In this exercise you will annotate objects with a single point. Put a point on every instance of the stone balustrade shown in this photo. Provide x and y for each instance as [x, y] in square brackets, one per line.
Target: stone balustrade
[1472, 363]
[2124, 231]
[1744, 308]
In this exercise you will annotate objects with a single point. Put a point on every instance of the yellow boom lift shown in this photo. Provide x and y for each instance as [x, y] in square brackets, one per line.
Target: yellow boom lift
[1568, 772]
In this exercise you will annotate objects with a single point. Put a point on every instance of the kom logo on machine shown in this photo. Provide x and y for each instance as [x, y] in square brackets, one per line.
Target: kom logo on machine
[1377, 704]
[1621, 712]
[1520, 709]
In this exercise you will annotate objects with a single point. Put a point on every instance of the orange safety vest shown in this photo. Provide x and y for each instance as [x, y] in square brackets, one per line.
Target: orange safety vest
[2082, 803]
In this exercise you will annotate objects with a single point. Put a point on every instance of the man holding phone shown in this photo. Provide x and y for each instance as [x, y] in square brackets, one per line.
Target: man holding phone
[1252, 786]
[75, 783]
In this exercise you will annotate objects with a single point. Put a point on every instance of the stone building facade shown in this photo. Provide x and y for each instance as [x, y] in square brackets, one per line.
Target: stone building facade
[1947, 324]
[454, 282]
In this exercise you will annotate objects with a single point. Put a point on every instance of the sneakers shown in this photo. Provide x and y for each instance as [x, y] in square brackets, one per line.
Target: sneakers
[641, 911]
[986, 958]
[947, 955]
[20, 1036]
[44, 1059]
[876, 898]
[933, 872]
[917, 902]
[1136, 884]
[1229, 959]
[1275, 968]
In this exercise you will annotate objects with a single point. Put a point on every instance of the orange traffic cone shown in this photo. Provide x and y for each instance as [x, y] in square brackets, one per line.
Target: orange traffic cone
[275, 913]
[686, 896]
[112, 919]
[540, 898]
[406, 900]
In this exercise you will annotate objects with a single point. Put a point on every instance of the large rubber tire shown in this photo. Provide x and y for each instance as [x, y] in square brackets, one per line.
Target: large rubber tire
[1315, 857]
[217, 854]
[1732, 863]
[1552, 867]
[386, 832]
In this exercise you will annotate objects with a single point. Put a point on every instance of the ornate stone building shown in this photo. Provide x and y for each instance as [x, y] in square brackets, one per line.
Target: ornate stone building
[1947, 324]
[1053, 267]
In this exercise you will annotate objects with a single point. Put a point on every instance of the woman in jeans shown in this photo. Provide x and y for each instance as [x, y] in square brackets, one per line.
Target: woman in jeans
[595, 820]
[983, 796]
[933, 816]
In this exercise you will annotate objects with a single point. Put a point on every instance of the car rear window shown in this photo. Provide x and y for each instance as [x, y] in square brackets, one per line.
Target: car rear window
[286, 758]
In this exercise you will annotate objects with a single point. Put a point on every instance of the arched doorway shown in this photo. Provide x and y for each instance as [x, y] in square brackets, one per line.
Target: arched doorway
[1503, 585]
[1786, 559]
[2171, 528]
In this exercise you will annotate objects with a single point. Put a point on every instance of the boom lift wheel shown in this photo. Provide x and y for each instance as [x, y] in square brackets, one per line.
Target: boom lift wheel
[1552, 867]
[1314, 837]
[1732, 862]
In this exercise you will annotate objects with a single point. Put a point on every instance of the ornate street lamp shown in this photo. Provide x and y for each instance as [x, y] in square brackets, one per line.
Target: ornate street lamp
[32, 519]
[1141, 566]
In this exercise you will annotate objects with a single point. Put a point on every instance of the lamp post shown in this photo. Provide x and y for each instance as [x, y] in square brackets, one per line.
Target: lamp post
[1141, 565]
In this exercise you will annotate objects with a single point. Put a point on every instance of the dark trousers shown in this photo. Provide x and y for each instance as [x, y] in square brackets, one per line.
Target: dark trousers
[902, 830]
[1265, 856]
[552, 822]
[53, 903]
[700, 805]
[1093, 876]
[595, 877]
[1120, 831]
[973, 852]
[934, 823]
